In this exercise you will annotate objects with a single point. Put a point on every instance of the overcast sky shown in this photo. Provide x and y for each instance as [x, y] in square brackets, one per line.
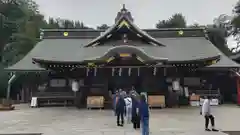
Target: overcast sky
[145, 12]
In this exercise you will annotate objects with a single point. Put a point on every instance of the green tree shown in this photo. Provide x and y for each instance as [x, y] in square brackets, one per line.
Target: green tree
[235, 26]
[217, 32]
[25, 36]
[19, 31]
[218, 36]
[10, 16]
[236, 19]
[176, 21]
[195, 25]
[103, 27]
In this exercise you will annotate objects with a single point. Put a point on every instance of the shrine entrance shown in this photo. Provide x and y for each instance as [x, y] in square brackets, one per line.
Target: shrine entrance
[125, 83]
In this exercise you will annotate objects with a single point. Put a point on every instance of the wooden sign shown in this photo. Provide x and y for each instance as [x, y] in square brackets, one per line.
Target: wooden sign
[156, 101]
[95, 102]
[194, 98]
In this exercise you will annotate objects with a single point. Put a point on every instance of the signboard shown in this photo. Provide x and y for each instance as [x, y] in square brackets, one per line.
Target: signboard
[95, 102]
[156, 101]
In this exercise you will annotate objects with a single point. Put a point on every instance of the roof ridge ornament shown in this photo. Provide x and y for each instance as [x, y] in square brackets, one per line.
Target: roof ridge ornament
[124, 13]
[124, 20]
[123, 8]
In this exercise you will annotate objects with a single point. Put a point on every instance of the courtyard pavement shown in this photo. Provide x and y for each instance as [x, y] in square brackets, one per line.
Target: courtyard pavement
[72, 121]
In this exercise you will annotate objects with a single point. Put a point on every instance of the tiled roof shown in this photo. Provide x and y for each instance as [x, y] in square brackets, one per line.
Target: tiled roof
[176, 49]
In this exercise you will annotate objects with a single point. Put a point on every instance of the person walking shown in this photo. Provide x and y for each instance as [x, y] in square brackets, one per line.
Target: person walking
[128, 102]
[114, 101]
[135, 112]
[144, 114]
[206, 112]
[120, 109]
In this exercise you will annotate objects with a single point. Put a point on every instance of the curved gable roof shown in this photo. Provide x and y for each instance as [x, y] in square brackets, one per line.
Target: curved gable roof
[124, 21]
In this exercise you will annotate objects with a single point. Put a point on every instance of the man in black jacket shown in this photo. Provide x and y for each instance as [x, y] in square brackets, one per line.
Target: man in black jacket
[135, 113]
[120, 110]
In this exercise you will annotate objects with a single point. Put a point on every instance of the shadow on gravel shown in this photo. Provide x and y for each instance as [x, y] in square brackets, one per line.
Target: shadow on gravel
[23, 134]
[232, 132]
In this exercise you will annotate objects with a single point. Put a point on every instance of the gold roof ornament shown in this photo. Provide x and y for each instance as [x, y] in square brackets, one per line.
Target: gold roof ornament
[110, 59]
[125, 55]
[140, 59]
[180, 32]
[211, 62]
[90, 64]
[214, 61]
[65, 34]
[123, 23]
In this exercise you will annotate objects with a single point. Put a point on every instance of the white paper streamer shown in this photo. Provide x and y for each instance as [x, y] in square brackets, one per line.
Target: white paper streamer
[95, 71]
[154, 71]
[138, 71]
[120, 72]
[113, 70]
[129, 71]
[87, 72]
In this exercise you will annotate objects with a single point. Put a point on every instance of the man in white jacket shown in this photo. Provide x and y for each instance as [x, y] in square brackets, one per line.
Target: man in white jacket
[206, 112]
[128, 102]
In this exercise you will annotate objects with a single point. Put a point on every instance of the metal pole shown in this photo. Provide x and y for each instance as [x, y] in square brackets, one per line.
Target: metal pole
[9, 85]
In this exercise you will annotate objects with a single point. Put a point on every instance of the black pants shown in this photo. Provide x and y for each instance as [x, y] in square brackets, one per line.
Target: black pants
[136, 121]
[207, 117]
[120, 116]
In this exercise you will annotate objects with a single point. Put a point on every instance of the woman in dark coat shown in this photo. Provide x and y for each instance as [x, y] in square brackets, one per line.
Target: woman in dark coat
[120, 109]
[135, 112]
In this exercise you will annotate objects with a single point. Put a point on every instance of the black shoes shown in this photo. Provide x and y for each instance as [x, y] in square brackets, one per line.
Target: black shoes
[215, 130]
[120, 125]
[207, 129]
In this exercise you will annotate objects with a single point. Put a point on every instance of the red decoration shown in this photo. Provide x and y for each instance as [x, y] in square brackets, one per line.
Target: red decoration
[238, 90]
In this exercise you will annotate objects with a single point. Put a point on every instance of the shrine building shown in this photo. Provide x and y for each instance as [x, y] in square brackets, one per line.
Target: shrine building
[125, 56]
